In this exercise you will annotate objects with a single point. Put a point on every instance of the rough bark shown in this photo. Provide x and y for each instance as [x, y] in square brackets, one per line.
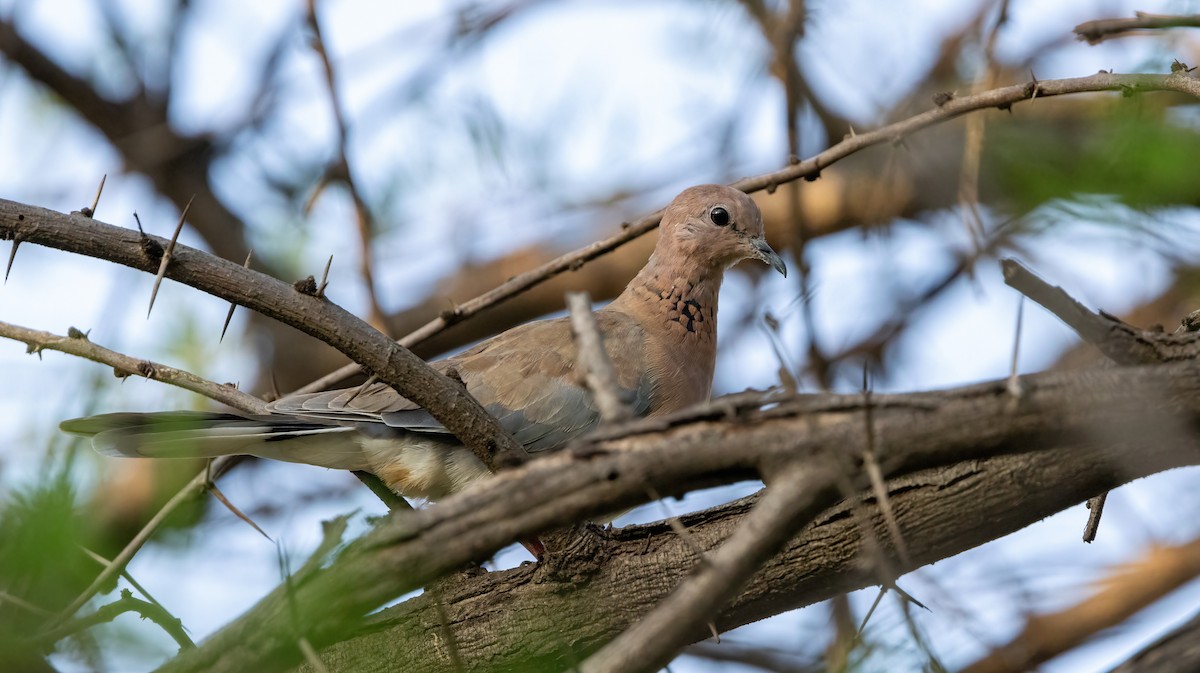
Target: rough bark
[1095, 430]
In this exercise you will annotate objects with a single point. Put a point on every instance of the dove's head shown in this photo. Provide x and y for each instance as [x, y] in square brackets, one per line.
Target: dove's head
[717, 226]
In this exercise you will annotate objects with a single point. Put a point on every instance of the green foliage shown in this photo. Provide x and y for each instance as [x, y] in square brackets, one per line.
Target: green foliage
[42, 563]
[1133, 152]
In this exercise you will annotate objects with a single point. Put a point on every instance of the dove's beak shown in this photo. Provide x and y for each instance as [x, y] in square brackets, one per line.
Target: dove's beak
[762, 251]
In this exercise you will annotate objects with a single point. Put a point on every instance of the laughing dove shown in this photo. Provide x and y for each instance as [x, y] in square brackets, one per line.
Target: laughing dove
[660, 334]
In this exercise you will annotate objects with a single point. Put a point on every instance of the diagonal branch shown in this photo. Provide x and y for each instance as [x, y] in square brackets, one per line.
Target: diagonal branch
[412, 377]
[793, 496]
[77, 343]
[1120, 342]
[810, 169]
[592, 359]
[1115, 424]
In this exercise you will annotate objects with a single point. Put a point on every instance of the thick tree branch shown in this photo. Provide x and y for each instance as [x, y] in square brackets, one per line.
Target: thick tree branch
[1114, 424]
[411, 376]
[515, 619]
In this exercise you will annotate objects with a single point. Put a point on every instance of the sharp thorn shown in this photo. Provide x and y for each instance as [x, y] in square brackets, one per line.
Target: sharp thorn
[232, 305]
[324, 278]
[166, 258]
[12, 256]
[96, 200]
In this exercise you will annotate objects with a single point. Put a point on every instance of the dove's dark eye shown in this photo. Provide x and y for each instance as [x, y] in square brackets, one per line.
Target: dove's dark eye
[719, 216]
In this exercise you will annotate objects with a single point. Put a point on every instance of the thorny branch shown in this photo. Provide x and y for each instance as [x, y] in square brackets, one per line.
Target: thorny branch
[109, 612]
[798, 493]
[77, 343]
[1106, 415]
[412, 377]
[810, 169]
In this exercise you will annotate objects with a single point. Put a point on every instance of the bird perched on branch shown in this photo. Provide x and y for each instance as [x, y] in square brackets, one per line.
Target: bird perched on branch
[660, 334]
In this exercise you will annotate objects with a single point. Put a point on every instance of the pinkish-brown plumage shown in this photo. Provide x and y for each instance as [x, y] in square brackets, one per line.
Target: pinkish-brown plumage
[660, 334]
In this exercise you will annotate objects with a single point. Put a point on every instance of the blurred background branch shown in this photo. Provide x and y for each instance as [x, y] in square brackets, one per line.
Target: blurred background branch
[469, 142]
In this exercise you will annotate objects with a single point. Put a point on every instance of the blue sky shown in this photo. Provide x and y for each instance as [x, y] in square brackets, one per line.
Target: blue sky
[609, 97]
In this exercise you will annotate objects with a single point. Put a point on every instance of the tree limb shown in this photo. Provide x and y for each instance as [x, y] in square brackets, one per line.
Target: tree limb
[77, 343]
[1113, 425]
[810, 169]
[411, 376]
[1095, 32]
[1122, 343]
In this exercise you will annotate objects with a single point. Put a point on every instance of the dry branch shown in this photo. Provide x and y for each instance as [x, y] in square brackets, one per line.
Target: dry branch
[1112, 424]
[598, 372]
[810, 169]
[1094, 32]
[411, 376]
[78, 344]
[1122, 343]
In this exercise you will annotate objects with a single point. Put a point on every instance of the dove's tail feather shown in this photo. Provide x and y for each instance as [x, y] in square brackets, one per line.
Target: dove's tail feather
[198, 434]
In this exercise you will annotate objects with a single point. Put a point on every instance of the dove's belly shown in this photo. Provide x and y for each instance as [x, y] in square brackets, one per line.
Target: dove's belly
[417, 466]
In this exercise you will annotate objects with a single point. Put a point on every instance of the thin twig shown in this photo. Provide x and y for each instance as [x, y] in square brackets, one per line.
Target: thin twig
[793, 496]
[593, 361]
[25, 605]
[211, 487]
[875, 476]
[447, 632]
[1002, 98]
[79, 345]
[189, 491]
[125, 575]
[968, 186]
[1095, 511]
[109, 612]
[1014, 381]
[381, 491]
[341, 170]
[678, 527]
